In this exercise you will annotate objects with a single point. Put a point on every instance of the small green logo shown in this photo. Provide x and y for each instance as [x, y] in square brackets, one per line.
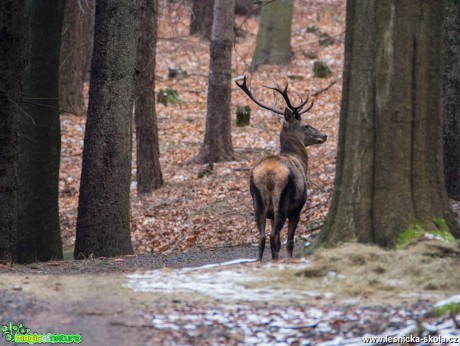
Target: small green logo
[20, 334]
[11, 330]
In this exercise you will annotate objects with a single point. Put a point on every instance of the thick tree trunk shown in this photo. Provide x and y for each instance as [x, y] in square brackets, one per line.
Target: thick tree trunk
[389, 172]
[39, 235]
[201, 18]
[452, 100]
[103, 227]
[217, 145]
[149, 175]
[273, 44]
[12, 48]
[76, 52]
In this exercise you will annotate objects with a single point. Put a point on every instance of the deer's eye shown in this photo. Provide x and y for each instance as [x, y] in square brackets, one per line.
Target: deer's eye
[307, 127]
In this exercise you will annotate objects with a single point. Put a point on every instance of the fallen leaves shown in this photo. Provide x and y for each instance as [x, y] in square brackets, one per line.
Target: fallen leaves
[194, 209]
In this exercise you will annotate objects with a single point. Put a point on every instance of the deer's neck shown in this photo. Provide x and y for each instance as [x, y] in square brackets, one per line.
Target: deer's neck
[290, 145]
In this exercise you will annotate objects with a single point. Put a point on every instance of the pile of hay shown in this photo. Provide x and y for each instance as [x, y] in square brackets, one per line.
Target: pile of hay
[360, 270]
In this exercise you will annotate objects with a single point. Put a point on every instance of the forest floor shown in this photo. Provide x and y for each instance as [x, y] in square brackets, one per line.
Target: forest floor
[201, 208]
[335, 297]
[201, 217]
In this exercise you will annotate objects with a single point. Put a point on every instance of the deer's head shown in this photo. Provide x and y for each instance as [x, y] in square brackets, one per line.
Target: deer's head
[293, 124]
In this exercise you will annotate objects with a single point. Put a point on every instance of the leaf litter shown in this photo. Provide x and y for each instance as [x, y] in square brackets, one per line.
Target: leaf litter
[342, 290]
[216, 209]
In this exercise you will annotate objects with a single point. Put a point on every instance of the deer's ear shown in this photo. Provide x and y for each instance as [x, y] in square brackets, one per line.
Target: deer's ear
[289, 115]
[281, 119]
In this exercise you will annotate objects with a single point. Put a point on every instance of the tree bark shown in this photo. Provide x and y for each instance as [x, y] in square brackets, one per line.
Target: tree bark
[103, 227]
[273, 43]
[149, 175]
[38, 235]
[389, 172]
[452, 100]
[201, 18]
[217, 145]
[12, 59]
[76, 52]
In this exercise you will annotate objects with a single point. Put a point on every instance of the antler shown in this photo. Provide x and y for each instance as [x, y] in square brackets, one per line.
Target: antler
[297, 110]
[244, 87]
[283, 92]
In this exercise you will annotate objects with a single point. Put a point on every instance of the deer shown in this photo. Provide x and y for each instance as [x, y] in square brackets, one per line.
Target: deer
[278, 183]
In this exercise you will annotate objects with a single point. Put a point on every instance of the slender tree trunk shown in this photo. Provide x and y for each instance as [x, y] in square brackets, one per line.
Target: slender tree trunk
[149, 175]
[201, 18]
[217, 145]
[103, 227]
[452, 100]
[273, 44]
[389, 173]
[12, 59]
[76, 52]
[38, 236]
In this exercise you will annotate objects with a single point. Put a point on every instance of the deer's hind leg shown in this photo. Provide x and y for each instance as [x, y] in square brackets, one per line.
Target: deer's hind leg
[260, 215]
[260, 221]
[275, 241]
[293, 221]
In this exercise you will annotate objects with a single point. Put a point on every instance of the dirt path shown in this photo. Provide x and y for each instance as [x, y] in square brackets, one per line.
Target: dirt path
[239, 304]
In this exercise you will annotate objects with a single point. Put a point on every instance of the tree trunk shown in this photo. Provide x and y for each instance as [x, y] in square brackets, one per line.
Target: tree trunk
[149, 175]
[452, 100]
[389, 175]
[201, 18]
[273, 44]
[76, 51]
[38, 236]
[217, 145]
[12, 60]
[103, 227]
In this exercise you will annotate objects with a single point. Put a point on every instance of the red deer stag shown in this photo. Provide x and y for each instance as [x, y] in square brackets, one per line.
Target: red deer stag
[278, 183]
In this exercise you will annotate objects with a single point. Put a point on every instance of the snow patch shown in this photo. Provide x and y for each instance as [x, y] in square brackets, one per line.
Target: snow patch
[212, 281]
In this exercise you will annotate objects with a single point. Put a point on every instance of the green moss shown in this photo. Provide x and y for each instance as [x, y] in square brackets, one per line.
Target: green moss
[441, 224]
[321, 70]
[411, 234]
[168, 96]
[68, 256]
[418, 230]
[243, 115]
[452, 308]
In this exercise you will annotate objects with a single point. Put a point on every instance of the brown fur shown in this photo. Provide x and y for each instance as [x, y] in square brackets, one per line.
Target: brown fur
[278, 184]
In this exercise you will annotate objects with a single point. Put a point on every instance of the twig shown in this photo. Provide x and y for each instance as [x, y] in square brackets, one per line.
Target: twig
[314, 228]
[316, 93]
[22, 110]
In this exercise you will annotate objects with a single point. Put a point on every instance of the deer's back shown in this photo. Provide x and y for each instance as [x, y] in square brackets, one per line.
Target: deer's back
[279, 179]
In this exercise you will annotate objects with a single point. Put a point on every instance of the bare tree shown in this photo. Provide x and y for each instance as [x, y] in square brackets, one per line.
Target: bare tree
[389, 175]
[103, 227]
[12, 60]
[273, 44]
[452, 100]
[149, 175]
[217, 145]
[201, 18]
[38, 235]
[76, 52]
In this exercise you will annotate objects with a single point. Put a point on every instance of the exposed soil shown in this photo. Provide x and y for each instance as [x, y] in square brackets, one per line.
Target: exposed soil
[345, 292]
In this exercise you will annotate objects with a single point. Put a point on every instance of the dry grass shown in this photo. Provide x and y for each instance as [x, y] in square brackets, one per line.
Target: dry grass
[368, 274]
